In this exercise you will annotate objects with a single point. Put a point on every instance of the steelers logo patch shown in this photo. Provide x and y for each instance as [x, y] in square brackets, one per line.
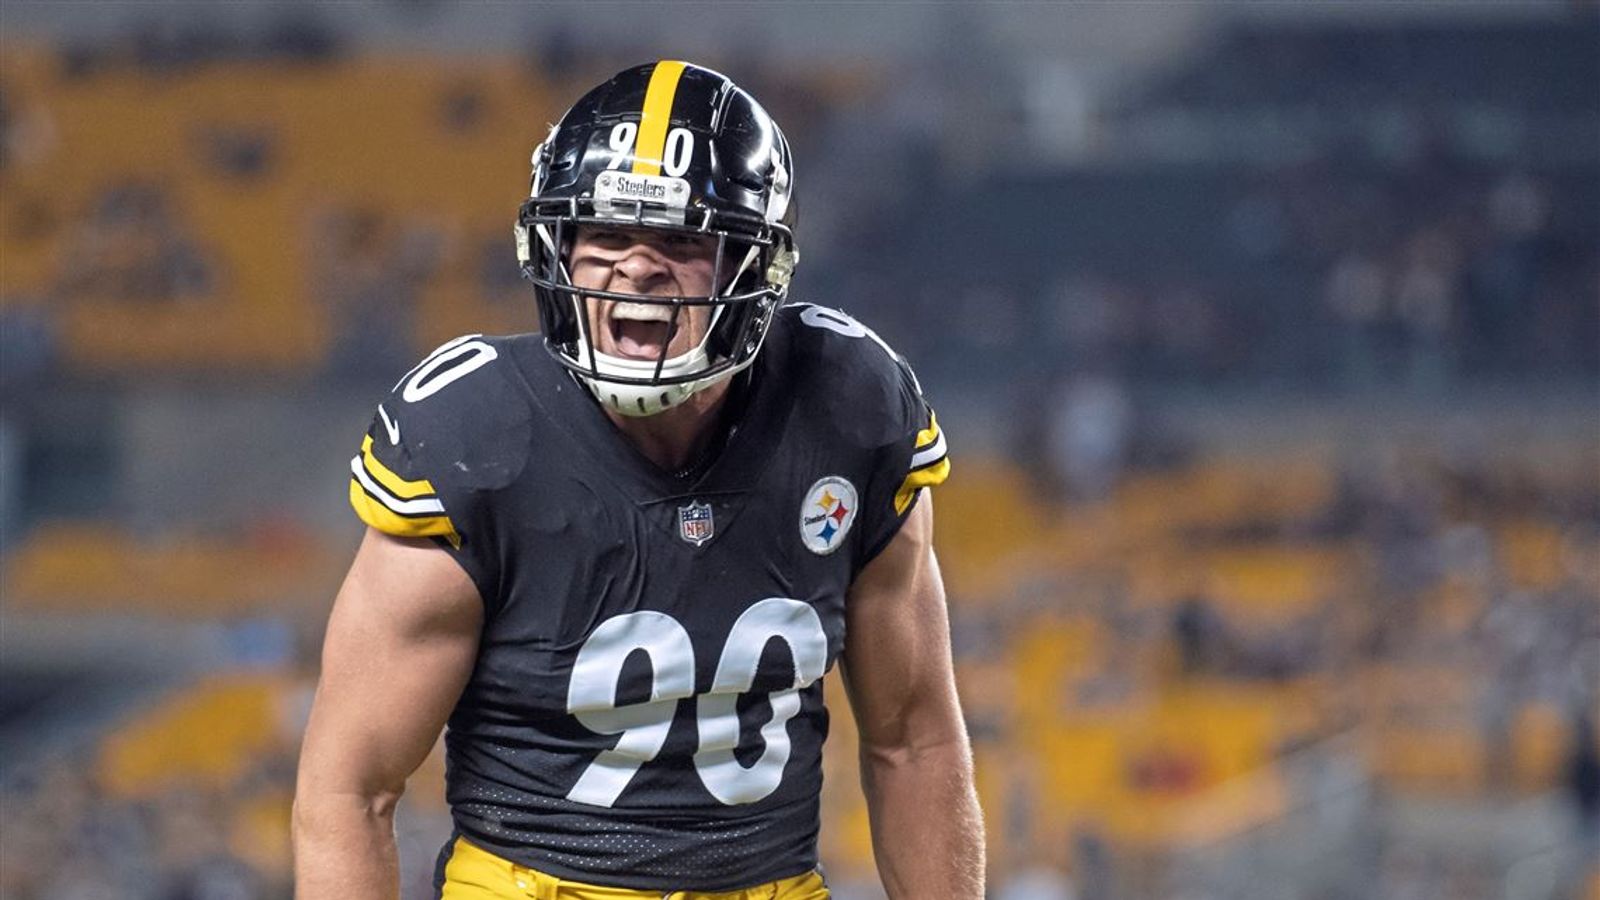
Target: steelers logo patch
[827, 514]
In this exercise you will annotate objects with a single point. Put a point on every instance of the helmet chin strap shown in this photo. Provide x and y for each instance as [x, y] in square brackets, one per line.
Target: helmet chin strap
[635, 400]
[638, 401]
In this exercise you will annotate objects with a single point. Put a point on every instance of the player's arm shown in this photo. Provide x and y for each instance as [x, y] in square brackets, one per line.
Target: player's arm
[916, 762]
[400, 646]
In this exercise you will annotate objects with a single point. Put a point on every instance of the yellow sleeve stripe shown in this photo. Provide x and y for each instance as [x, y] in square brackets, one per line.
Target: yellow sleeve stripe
[928, 476]
[373, 512]
[930, 464]
[926, 454]
[394, 484]
[656, 115]
[416, 506]
[396, 505]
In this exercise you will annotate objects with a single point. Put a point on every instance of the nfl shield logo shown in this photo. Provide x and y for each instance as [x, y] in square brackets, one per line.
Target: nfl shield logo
[694, 523]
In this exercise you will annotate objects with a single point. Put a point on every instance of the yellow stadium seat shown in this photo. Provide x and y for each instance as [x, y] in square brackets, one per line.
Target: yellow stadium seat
[66, 567]
[1531, 553]
[371, 133]
[205, 737]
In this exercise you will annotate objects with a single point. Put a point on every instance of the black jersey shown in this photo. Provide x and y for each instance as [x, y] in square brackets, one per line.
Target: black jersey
[646, 707]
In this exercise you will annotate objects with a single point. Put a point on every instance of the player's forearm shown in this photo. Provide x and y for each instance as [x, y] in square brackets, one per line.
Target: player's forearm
[344, 848]
[927, 831]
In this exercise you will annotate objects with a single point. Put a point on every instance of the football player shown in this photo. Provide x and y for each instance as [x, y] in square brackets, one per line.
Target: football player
[617, 558]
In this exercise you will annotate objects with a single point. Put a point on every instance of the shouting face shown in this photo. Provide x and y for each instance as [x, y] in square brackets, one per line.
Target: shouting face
[650, 262]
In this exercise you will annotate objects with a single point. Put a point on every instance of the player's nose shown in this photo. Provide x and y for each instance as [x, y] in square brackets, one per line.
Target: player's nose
[643, 265]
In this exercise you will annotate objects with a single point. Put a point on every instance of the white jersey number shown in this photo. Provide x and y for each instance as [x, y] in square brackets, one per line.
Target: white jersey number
[592, 698]
[450, 361]
[832, 320]
[842, 324]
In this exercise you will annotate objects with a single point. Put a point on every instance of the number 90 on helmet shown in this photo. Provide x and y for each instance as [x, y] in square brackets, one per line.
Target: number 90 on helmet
[675, 147]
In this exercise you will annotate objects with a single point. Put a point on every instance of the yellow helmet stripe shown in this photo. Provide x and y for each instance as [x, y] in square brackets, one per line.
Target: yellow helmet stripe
[652, 140]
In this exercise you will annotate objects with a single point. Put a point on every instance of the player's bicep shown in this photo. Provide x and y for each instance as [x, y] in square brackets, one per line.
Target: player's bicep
[400, 646]
[897, 663]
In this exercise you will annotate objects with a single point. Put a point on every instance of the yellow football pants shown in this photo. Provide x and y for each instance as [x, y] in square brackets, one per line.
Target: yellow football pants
[474, 873]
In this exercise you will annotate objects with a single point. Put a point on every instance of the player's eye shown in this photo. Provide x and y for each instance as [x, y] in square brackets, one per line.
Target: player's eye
[609, 237]
[689, 244]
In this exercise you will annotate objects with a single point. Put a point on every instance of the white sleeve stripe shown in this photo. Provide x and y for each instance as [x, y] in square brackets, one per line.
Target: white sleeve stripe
[419, 506]
[931, 455]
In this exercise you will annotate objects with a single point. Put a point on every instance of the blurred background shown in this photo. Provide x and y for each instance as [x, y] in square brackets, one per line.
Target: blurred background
[1267, 337]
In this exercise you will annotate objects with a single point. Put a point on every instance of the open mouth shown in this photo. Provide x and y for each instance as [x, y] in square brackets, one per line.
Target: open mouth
[641, 331]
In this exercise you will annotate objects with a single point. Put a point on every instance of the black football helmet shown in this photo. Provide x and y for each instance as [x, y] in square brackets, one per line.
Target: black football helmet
[671, 146]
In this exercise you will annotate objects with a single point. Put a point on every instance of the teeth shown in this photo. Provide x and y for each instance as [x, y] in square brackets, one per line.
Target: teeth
[641, 312]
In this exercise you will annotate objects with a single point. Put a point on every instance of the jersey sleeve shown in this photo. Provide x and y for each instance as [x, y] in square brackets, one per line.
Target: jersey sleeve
[390, 491]
[441, 445]
[916, 457]
[929, 464]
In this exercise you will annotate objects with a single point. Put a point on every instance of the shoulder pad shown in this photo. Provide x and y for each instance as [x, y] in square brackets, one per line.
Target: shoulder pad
[853, 383]
[456, 423]
[858, 382]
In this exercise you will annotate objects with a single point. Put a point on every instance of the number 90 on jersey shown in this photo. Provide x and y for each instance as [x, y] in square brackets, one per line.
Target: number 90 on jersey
[643, 727]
